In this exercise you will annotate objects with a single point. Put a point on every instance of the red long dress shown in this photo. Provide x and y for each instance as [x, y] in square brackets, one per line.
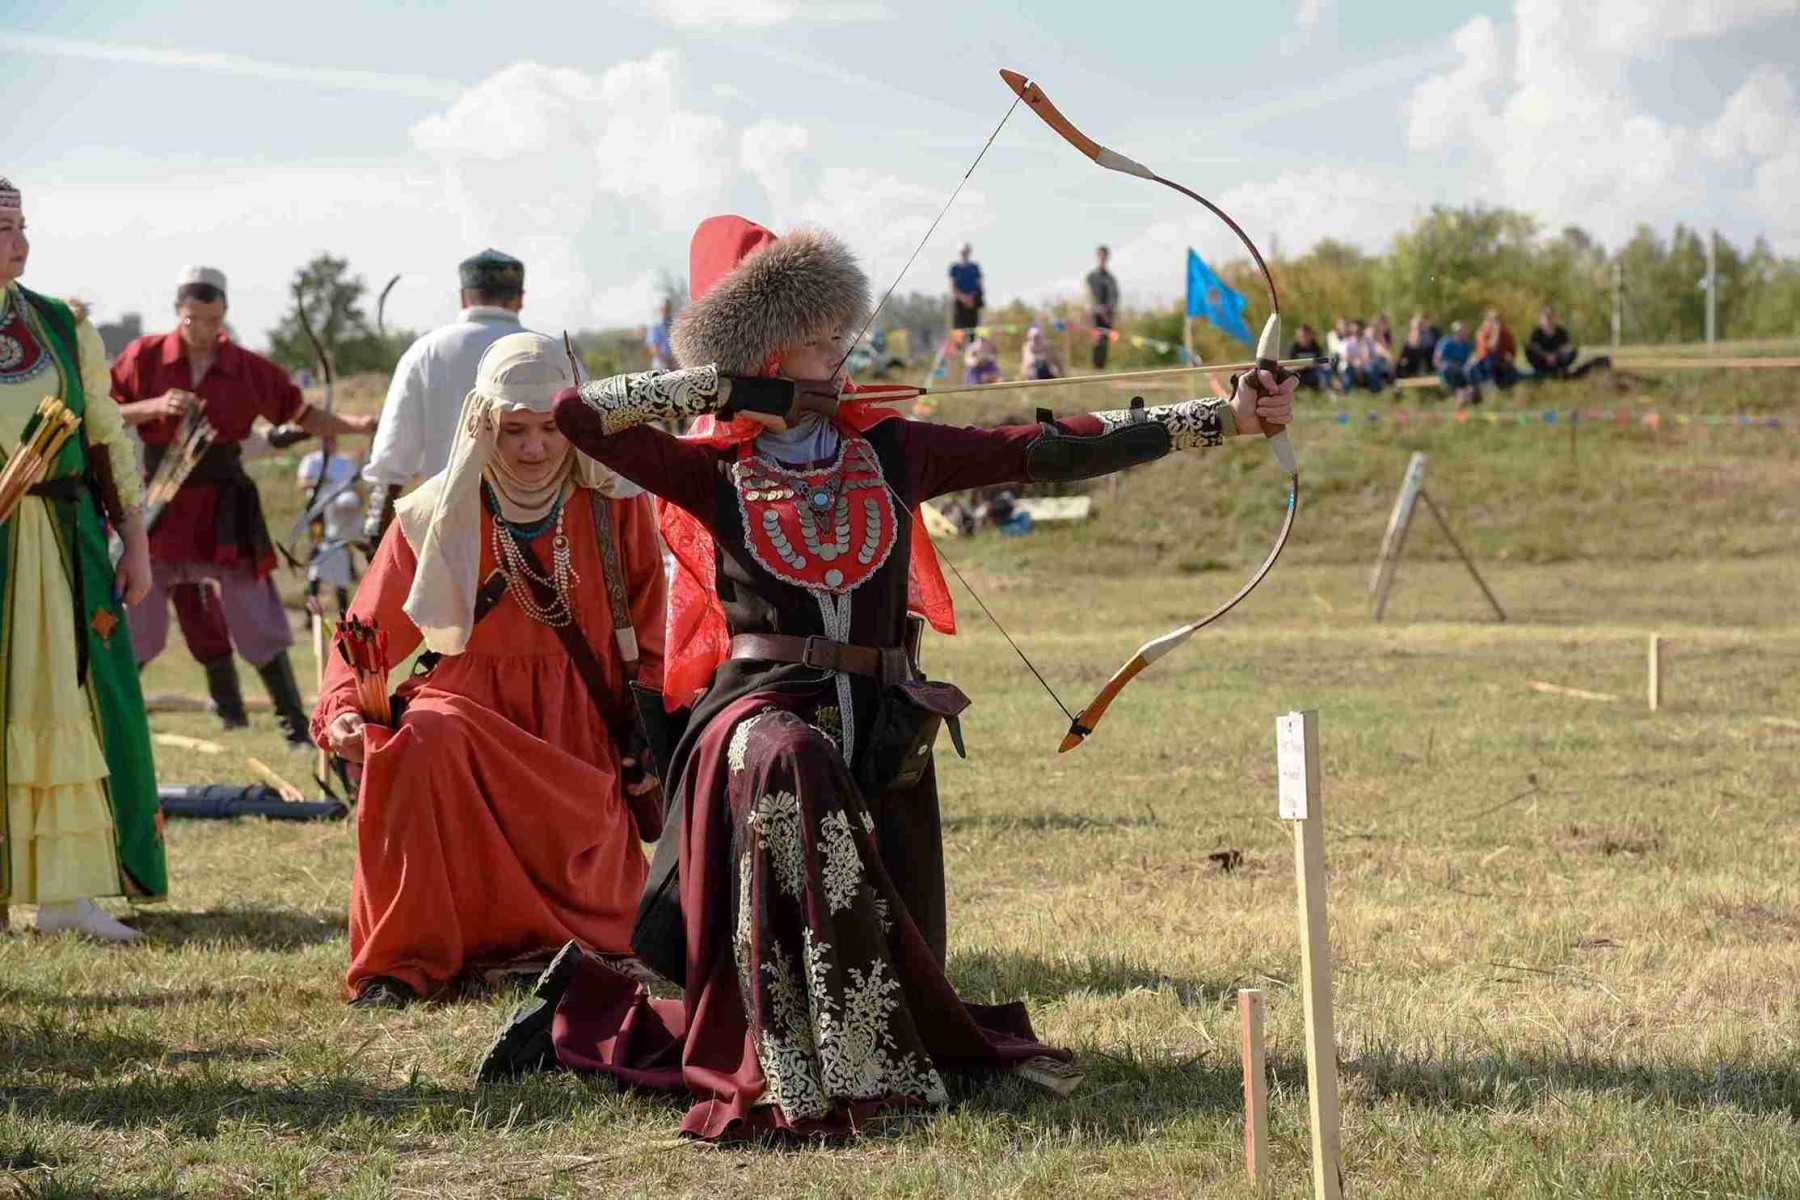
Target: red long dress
[491, 823]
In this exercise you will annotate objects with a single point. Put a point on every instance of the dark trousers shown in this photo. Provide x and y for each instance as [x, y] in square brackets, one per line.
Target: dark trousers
[1553, 365]
[965, 316]
[1102, 340]
[1414, 360]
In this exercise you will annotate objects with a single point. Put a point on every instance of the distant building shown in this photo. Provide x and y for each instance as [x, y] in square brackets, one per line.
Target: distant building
[121, 333]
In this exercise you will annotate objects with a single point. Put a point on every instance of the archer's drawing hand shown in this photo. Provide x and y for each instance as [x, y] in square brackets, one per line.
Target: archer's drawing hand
[1261, 405]
[346, 736]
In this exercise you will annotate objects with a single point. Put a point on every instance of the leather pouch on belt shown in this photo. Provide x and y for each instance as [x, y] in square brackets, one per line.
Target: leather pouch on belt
[898, 748]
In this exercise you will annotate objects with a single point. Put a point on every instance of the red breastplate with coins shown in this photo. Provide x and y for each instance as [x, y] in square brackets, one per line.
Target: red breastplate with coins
[828, 529]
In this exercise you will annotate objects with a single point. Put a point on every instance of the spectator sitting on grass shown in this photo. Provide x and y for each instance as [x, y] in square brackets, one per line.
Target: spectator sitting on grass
[1364, 365]
[1306, 345]
[1495, 350]
[1334, 346]
[1417, 354]
[980, 365]
[1037, 357]
[1451, 357]
[1549, 348]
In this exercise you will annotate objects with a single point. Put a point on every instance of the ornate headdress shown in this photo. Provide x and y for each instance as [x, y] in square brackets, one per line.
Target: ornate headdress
[10, 200]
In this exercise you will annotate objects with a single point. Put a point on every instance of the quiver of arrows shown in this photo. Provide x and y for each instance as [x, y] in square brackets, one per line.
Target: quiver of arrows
[48, 430]
[364, 647]
[192, 439]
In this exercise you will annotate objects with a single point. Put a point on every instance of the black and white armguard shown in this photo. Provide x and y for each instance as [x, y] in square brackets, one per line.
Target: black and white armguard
[1055, 456]
[637, 399]
[1190, 424]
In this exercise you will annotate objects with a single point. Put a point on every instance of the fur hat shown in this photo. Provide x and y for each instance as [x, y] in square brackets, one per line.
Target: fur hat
[754, 292]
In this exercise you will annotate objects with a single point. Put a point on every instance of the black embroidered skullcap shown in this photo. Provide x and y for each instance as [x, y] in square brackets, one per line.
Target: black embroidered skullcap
[492, 271]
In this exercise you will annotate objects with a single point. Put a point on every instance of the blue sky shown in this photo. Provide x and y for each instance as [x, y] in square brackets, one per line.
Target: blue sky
[589, 139]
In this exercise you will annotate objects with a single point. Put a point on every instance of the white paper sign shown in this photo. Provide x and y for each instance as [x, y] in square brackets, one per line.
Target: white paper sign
[1290, 764]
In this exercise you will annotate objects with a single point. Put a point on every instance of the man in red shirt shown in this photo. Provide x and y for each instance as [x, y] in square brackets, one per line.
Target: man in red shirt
[213, 528]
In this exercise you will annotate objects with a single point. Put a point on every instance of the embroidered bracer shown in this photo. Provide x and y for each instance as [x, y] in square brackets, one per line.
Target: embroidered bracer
[1192, 424]
[637, 399]
[1128, 439]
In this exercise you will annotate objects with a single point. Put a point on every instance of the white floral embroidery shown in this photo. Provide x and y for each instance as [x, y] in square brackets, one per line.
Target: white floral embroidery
[775, 820]
[785, 1042]
[856, 1050]
[843, 868]
[868, 823]
[738, 749]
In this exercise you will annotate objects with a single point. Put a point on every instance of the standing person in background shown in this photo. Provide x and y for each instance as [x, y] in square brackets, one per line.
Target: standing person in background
[1037, 357]
[331, 570]
[1306, 345]
[1549, 348]
[966, 294]
[213, 528]
[418, 419]
[79, 816]
[1495, 350]
[1103, 300]
[1416, 355]
[1451, 357]
[656, 339]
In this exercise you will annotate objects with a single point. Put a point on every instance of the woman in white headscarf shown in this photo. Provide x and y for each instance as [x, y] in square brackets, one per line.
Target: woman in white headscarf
[501, 793]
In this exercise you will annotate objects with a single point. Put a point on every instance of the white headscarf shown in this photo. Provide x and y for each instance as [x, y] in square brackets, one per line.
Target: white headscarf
[441, 519]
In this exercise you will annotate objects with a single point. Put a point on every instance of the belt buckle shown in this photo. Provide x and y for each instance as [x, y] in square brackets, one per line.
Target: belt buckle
[827, 662]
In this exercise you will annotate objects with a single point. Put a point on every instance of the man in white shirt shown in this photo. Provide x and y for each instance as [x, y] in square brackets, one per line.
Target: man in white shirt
[426, 394]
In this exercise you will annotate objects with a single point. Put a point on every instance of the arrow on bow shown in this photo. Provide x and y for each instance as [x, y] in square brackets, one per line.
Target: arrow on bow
[1268, 347]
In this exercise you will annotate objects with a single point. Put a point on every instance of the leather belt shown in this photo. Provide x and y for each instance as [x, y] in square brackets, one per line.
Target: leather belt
[823, 654]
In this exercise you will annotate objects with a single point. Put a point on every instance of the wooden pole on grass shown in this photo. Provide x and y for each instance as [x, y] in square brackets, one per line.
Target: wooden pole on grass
[1656, 676]
[1256, 1089]
[1297, 760]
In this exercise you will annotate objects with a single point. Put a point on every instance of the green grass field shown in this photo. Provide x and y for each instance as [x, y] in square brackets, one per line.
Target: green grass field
[1567, 932]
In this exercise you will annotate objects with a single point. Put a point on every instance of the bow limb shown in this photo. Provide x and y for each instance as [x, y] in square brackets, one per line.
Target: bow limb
[1268, 351]
[311, 511]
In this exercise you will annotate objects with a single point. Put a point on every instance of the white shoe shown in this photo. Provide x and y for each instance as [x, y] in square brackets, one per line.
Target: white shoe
[84, 916]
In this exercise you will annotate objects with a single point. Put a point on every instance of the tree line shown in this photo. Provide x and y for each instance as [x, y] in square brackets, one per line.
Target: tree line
[1453, 263]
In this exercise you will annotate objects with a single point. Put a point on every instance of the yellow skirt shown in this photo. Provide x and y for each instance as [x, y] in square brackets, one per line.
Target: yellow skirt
[59, 826]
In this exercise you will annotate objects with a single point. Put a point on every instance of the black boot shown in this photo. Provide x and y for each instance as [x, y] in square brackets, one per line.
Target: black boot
[284, 693]
[523, 1043]
[227, 699]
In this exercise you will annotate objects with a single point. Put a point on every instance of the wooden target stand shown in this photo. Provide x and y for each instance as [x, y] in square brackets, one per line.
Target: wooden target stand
[1412, 492]
[1301, 806]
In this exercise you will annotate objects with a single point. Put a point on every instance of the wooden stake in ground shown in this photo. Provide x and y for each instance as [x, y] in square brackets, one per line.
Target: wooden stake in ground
[1412, 489]
[1297, 761]
[1256, 1089]
[1399, 521]
[1656, 679]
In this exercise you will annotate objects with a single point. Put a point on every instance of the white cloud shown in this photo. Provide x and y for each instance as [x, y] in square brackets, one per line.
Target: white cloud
[766, 14]
[229, 64]
[120, 245]
[1443, 108]
[1549, 126]
[1759, 120]
[596, 181]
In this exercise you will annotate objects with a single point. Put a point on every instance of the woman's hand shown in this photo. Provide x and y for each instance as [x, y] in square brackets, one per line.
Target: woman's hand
[345, 733]
[131, 580]
[1262, 405]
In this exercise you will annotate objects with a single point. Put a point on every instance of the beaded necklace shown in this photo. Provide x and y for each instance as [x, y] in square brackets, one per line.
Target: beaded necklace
[518, 570]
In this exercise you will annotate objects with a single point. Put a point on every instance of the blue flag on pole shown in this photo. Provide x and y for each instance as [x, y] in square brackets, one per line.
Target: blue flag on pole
[1209, 297]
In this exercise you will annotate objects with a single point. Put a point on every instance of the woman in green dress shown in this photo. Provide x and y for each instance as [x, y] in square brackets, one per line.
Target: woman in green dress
[80, 815]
